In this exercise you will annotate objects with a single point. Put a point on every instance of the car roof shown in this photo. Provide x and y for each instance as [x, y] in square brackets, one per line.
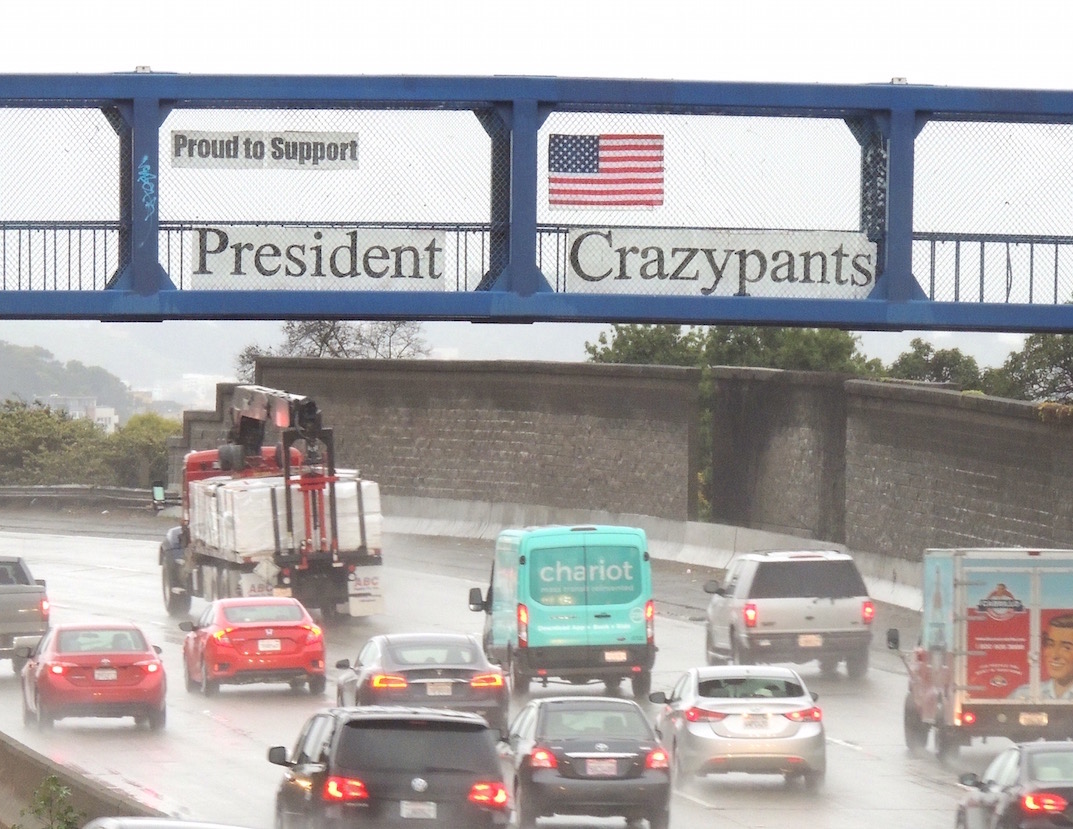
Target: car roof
[797, 555]
[1037, 746]
[430, 637]
[723, 671]
[407, 712]
[238, 601]
[608, 702]
[104, 624]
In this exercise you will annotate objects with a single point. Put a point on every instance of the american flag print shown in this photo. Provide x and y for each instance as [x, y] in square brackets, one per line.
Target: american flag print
[605, 170]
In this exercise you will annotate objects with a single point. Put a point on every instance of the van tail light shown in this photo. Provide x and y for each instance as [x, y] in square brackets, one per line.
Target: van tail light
[343, 790]
[393, 681]
[491, 795]
[523, 626]
[541, 758]
[657, 759]
[1037, 803]
[45, 607]
[749, 615]
[868, 611]
[813, 714]
[487, 681]
[650, 621]
[703, 715]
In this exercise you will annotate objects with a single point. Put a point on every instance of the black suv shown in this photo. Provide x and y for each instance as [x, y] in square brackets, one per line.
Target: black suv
[791, 606]
[390, 766]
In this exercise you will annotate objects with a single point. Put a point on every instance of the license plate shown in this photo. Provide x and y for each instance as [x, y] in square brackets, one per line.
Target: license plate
[268, 645]
[810, 640]
[105, 674]
[282, 591]
[438, 689]
[1033, 718]
[752, 721]
[600, 767]
[615, 656]
[420, 809]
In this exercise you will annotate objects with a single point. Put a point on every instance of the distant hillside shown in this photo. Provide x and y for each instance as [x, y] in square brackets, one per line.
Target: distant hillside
[32, 373]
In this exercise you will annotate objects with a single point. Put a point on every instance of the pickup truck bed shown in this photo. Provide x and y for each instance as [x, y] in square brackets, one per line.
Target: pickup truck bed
[23, 607]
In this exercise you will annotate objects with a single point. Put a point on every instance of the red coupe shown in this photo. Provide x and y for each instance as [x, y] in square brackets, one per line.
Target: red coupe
[93, 670]
[247, 640]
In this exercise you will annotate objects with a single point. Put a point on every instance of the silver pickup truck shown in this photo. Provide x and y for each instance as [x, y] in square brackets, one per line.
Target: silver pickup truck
[24, 608]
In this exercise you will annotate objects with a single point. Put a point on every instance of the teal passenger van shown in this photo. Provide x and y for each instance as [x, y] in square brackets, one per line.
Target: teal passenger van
[571, 603]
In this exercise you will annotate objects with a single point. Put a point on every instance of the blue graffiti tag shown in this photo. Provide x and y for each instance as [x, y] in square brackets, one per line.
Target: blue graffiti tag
[147, 179]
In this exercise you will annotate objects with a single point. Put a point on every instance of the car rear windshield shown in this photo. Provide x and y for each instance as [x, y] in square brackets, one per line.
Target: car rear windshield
[434, 653]
[752, 687]
[97, 641]
[1052, 767]
[416, 746]
[620, 721]
[801, 579]
[255, 613]
[582, 575]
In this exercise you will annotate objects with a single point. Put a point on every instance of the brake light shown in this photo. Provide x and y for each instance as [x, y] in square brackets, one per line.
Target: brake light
[388, 681]
[968, 718]
[57, 669]
[489, 795]
[343, 790]
[657, 759]
[523, 626]
[868, 611]
[541, 758]
[1034, 803]
[313, 634]
[487, 681]
[703, 715]
[806, 715]
[45, 607]
[650, 621]
[749, 614]
[150, 667]
[221, 636]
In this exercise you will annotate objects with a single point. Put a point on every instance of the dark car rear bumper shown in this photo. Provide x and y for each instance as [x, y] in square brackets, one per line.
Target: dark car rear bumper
[552, 794]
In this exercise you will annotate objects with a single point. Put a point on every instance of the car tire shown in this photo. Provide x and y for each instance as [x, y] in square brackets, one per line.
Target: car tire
[660, 819]
[317, 684]
[857, 665]
[916, 730]
[158, 719]
[828, 665]
[519, 680]
[175, 604]
[209, 687]
[612, 685]
[642, 685]
[27, 714]
[527, 816]
[188, 680]
[814, 780]
[45, 719]
[681, 775]
[738, 656]
[710, 655]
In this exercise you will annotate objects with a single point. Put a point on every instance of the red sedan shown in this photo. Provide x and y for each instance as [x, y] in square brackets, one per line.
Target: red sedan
[247, 640]
[93, 670]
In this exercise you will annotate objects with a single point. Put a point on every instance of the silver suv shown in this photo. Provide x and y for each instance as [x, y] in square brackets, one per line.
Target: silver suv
[790, 606]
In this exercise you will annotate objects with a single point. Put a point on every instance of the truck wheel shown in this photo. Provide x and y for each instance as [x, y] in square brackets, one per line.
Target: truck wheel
[317, 684]
[945, 745]
[519, 680]
[857, 665]
[176, 604]
[613, 684]
[642, 685]
[916, 730]
[737, 653]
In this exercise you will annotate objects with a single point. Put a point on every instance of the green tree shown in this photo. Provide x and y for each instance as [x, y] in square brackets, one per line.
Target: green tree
[664, 345]
[42, 446]
[947, 365]
[1041, 370]
[384, 339]
[138, 451]
[51, 806]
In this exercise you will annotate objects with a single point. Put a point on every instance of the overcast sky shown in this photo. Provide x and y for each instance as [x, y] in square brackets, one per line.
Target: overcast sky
[941, 42]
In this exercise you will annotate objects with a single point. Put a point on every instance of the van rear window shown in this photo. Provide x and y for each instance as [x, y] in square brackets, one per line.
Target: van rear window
[799, 580]
[585, 576]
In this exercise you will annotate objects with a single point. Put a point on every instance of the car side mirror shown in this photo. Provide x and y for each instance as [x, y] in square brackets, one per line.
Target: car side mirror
[814, 695]
[970, 779]
[658, 697]
[343, 664]
[476, 600]
[893, 640]
[39, 582]
[157, 649]
[277, 755]
[188, 626]
[714, 587]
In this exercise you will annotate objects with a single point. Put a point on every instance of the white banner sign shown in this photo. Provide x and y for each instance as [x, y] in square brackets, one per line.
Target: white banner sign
[259, 150]
[240, 257]
[794, 264]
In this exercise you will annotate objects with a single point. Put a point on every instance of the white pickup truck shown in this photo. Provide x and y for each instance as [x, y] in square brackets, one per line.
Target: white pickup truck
[24, 608]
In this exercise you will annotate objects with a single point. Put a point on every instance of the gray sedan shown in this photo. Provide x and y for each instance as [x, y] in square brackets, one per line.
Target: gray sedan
[738, 718]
